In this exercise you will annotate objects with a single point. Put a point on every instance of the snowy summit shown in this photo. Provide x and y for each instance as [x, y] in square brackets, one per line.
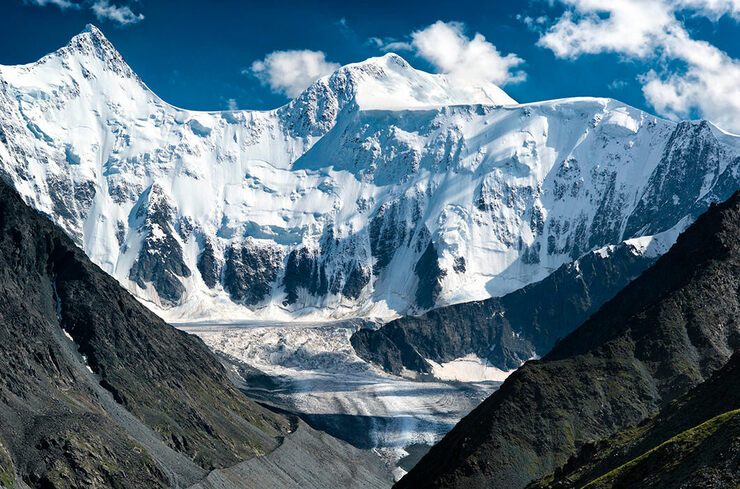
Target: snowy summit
[379, 190]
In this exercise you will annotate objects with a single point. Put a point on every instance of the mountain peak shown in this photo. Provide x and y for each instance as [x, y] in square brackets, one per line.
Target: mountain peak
[389, 82]
[91, 42]
[93, 30]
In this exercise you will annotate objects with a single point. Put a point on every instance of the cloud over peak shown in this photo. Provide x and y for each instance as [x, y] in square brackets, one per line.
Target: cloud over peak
[102, 9]
[122, 15]
[290, 72]
[449, 50]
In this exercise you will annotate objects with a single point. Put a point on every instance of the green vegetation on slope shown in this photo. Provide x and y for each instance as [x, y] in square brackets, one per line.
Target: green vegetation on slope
[667, 450]
[659, 466]
[7, 471]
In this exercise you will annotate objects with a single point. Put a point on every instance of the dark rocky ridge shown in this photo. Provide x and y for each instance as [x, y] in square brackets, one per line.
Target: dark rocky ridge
[430, 275]
[250, 271]
[304, 270]
[663, 334]
[160, 261]
[208, 265]
[62, 426]
[357, 279]
[693, 442]
[506, 330]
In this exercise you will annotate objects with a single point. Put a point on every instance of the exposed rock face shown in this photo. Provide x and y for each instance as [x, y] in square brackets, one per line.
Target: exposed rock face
[304, 270]
[692, 442]
[390, 229]
[208, 265]
[662, 335]
[357, 279]
[680, 184]
[430, 278]
[355, 178]
[95, 390]
[160, 261]
[250, 272]
[509, 330]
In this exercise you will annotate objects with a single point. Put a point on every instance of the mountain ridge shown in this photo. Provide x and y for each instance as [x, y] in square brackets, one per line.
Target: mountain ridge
[659, 337]
[492, 196]
[635, 456]
[505, 331]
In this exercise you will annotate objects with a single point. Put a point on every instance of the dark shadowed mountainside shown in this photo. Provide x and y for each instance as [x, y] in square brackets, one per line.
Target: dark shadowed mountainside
[693, 442]
[665, 333]
[80, 355]
[508, 330]
[98, 392]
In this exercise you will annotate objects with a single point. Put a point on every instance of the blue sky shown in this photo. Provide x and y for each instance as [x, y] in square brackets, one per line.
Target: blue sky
[677, 58]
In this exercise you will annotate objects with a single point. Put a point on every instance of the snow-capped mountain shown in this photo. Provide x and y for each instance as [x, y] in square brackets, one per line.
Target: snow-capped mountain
[379, 190]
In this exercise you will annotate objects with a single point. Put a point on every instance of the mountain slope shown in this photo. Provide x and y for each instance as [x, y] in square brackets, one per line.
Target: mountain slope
[660, 336]
[509, 330]
[76, 348]
[96, 391]
[382, 189]
[693, 442]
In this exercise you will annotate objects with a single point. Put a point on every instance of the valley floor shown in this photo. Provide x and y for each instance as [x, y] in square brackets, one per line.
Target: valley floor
[312, 370]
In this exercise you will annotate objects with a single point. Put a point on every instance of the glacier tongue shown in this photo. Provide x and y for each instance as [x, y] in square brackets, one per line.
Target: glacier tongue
[312, 370]
[380, 190]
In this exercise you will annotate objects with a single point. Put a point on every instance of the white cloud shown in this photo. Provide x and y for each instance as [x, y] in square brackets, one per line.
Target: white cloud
[714, 9]
[375, 41]
[617, 85]
[398, 46]
[691, 76]
[231, 104]
[533, 24]
[103, 9]
[389, 44]
[631, 27]
[449, 50]
[62, 4]
[122, 15]
[291, 72]
[709, 85]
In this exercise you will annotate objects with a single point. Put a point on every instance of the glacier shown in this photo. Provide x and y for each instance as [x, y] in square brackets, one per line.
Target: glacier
[381, 190]
[314, 372]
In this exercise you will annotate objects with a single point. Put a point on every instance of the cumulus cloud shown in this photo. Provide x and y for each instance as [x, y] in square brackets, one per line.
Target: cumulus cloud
[708, 85]
[630, 27]
[291, 72]
[692, 76]
[446, 47]
[120, 14]
[449, 50]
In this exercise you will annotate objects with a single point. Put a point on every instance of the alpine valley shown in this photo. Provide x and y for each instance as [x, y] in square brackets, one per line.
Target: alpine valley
[390, 251]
